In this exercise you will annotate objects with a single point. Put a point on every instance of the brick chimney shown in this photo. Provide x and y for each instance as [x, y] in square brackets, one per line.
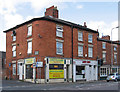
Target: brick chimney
[85, 24]
[52, 11]
[107, 37]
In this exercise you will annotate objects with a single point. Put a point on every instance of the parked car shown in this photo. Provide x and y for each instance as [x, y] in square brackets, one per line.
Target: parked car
[113, 77]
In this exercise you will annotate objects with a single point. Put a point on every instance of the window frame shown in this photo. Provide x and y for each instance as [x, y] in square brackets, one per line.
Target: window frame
[90, 52]
[14, 68]
[90, 40]
[57, 52]
[29, 49]
[59, 31]
[103, 72]
[104, 58]
[29, 30]
[14, 50]
[103, 45]
[80, 50]
[80, 36]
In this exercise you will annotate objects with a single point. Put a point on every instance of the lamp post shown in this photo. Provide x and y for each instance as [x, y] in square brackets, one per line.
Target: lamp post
[112, 48]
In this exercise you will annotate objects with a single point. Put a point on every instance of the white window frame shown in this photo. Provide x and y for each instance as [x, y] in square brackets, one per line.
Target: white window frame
[59, 31]
[80, 50]
[104, 45]
[104, 56]
[80, 36]
[61, 48]
[14, 50]
[14, 37]
[90, 51]
[14, 68]
[29, 46]
[90, 38]
[29, 30]
[103, 72]
[115, 60]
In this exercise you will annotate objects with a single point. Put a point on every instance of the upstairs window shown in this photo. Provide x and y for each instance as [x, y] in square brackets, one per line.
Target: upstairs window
[80, 51]
[80, 36]
[29, 51]
[59, 31]
[115, 48]
[104, 45]
[59, 47]
[29, 30]
[104, 57]
[90, 52]
[90, 38]
[115, 58]
[14, 38]
[14, 50]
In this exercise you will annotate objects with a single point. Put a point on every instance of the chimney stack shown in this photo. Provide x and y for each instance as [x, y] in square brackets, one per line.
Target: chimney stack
[107, 37]
[52, 11]
[85, 24]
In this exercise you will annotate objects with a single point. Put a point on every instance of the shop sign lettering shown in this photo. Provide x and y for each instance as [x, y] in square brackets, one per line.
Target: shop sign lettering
[56, 61]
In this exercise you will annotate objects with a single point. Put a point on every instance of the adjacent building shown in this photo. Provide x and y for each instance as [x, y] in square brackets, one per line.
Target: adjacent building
[48, 49]
[109, 53]
[2, 65]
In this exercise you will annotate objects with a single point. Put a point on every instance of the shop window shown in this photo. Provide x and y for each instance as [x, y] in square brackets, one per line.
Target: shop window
[59, 47]
[80, 72]
[14, 50]
[59, 31]
[29, 30]
[90, 38]
[80, 51]
[56, 66]
[90, 51]
[80, 36]
[103, 72]
[14, 69]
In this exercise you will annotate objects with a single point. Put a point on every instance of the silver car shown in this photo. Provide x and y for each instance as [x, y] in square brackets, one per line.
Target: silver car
[113, 77]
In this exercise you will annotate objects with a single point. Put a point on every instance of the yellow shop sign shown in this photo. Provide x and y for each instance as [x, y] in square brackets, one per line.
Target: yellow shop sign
[56, 61]
[29, 61]
[56, 74]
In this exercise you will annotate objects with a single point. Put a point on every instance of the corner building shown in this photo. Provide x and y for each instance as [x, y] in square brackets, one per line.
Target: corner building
[48, 49]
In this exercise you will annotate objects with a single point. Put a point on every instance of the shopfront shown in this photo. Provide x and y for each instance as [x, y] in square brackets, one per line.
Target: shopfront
[29, 70]
[58, 70]
[85, 70]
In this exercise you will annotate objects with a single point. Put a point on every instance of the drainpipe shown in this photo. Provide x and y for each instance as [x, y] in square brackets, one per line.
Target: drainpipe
[72, 51]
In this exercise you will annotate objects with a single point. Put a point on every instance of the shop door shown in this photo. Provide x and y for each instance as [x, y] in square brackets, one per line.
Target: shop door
[29, 71]
[67, 73]
[20, 71]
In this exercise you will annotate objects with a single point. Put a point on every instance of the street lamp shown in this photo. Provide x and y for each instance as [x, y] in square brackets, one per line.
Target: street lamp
[112, 48]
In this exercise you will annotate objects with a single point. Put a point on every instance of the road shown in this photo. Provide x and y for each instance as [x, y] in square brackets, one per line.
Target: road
[97, 85]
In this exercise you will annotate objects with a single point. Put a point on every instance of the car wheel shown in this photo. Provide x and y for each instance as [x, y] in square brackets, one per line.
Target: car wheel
[107, 80]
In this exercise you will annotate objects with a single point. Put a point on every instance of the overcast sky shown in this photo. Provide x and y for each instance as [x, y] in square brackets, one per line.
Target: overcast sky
[98, 15]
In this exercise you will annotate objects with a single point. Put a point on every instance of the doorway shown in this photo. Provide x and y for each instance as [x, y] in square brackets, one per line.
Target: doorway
[20, 71]
[67, 73]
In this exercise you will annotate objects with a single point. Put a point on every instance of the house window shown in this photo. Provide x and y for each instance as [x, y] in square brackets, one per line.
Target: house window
[14, 50]
[29, 51]
[80, 36]
[30, 30]
[14, 37]
[90, 51]
[103, 71]
[59, 31]
[90, 38]
[115, 58]
[59, 47]
[14, 69]
[104, 57]
[115, 48]
[80, 51]
[104, 45]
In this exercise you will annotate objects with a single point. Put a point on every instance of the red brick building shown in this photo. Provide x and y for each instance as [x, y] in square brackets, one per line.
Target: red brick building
[108, 51]
[48, 49]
